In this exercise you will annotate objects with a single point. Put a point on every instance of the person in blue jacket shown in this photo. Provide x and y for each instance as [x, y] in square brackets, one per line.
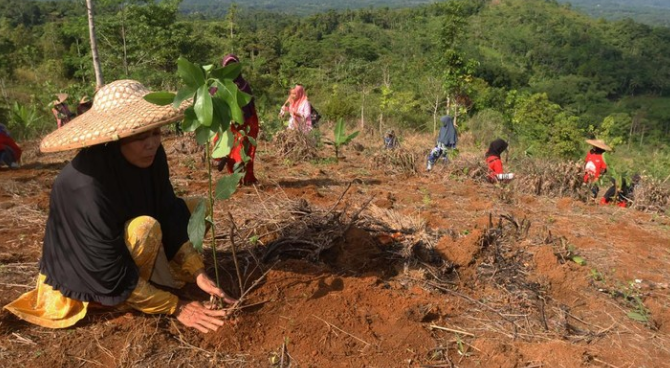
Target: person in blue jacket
[447, 139]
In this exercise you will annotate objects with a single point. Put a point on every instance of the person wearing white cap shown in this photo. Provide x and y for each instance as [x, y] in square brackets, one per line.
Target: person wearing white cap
[115, 226]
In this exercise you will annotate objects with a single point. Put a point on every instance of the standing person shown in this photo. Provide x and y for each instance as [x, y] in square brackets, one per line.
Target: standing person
[84, 105]
[594, 164]
[10, 152]
[115, 225]
[496, 172]
[390, 140]
[447, 139]
[249, 127]
[299, 109]
[61, 110]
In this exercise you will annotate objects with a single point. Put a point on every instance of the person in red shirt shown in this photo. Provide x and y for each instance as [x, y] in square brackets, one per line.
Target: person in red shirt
[594, 164]
[496, 173]
[10, 152]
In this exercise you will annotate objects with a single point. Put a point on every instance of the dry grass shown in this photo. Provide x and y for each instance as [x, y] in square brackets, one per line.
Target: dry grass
[295, 145]
[650, 195]
[552, 179]
[397, 161]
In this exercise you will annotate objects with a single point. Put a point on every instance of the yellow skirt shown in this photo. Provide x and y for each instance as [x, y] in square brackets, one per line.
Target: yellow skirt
[47, 307]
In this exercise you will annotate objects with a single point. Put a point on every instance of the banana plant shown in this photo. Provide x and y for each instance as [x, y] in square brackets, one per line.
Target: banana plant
[213, 103]
[341, 138]
[24, 118]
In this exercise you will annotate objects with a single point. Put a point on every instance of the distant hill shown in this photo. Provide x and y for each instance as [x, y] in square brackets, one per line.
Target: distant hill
[651, 12]
[299, 7]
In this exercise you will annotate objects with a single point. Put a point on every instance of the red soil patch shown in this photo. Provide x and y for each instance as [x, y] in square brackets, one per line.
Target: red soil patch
[484, 297]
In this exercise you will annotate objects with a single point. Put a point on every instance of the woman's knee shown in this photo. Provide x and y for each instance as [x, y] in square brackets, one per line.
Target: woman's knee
[143, 238]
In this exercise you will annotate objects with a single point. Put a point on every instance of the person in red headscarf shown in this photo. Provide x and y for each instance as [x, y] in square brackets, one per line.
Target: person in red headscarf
[249, 127]
[299, 108]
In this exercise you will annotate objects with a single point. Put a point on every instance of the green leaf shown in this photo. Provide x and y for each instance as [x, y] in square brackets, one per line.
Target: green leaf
[243, 98]
[221, 112]
[160, 98]
[227, 91]
[191, 122]
[223, 145]
[235, 109]
[192, 74]
[204, 135]
[227, 185]
[245, 157]
[579, 260]
[636, 316]
[230, 71]
[339, 131]
[351, 137]
[183, 94]
[196, 226]
[203, 106]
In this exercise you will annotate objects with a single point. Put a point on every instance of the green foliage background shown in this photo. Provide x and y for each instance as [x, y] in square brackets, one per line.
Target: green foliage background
[537, 72]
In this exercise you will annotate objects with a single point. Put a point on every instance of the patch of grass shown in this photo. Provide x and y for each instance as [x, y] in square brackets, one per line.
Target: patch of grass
[596, 275]
[190, 163]
[323, 161]
[362, 172]
[426, 200]
[626, 294]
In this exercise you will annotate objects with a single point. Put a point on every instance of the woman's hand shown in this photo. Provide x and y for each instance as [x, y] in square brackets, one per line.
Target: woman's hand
[208, 285]
[196, 315]
[283, 111]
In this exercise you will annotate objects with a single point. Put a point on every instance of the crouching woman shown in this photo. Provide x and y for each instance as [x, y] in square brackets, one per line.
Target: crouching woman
[496, 173]
[115, 227]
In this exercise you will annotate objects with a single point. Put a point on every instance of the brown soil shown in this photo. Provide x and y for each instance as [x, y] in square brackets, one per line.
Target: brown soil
[459, 277]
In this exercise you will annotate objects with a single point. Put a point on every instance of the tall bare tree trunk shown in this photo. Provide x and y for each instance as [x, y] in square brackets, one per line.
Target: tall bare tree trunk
[94, 46]
[364, 94]
[456, 114]
[436, 107]
[381, 121]
[125, 47]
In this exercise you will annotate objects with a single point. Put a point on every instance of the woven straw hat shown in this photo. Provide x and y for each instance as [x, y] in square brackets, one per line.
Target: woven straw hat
[599, 143]
[119, 110]
[60, 98]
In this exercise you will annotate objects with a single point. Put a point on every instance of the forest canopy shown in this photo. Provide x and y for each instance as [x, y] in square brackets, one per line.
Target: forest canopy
[540, 72]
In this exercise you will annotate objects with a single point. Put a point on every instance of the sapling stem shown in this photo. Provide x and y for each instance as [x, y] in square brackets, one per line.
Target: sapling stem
[211, 213]
[232, 247]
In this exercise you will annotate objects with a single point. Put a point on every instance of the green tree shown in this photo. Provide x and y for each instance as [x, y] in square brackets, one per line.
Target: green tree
[565, 136]
[615, 129]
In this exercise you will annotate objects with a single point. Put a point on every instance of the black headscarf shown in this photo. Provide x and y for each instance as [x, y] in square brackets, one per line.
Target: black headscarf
[496, 148]
[250, 108]
[84, 254]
